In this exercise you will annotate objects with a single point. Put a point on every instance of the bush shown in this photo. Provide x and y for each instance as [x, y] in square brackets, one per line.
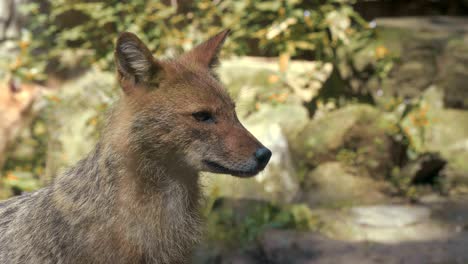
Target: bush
[301, 28]
[240, 222]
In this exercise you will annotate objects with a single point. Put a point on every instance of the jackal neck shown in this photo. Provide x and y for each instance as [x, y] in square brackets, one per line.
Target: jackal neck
[150, 216]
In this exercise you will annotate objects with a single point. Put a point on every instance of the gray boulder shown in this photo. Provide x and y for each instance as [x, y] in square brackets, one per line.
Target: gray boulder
[355, 134]
[333, 184]
[432, 50]
[454, 73]
[448, 135]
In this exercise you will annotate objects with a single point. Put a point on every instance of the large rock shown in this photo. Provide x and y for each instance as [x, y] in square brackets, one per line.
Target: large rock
[244, 77]
[448, 135]
[332, 184]
[255, 79]
[432, 128]
[291, 118]
[254, 71]
[454, 73]
[417, 69]
[432, 50]
[355, 134]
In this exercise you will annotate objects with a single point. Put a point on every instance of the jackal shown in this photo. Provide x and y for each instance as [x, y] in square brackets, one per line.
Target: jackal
[135, 197]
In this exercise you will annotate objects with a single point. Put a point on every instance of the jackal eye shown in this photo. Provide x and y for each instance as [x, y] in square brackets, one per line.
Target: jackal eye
[203, 116]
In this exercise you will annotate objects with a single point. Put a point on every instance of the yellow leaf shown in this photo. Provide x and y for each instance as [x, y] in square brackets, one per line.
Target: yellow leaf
[381, 52]
[273, 78]
[283, 62]
[11, 177]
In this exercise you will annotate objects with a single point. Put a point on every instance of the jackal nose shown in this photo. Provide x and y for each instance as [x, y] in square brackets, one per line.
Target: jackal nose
[262, 155]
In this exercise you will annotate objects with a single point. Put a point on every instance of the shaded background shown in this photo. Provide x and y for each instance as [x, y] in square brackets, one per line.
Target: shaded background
[363, 103]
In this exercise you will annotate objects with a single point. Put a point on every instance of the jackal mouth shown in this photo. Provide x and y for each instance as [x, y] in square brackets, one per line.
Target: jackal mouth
[218, 168]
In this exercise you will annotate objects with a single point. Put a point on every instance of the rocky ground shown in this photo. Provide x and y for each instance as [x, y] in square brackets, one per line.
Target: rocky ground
[433, 231]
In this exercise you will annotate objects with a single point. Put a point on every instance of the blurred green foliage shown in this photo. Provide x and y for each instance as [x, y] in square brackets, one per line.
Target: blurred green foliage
[411, 124]
[303, 28]
[224, 223]
[64, 36]
[25, 165]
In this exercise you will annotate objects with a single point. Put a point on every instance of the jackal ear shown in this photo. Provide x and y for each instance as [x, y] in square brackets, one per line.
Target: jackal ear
[206, 53]
[135, 63]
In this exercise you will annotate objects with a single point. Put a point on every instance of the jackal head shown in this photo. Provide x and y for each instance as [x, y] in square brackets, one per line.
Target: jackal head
[180, 110]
